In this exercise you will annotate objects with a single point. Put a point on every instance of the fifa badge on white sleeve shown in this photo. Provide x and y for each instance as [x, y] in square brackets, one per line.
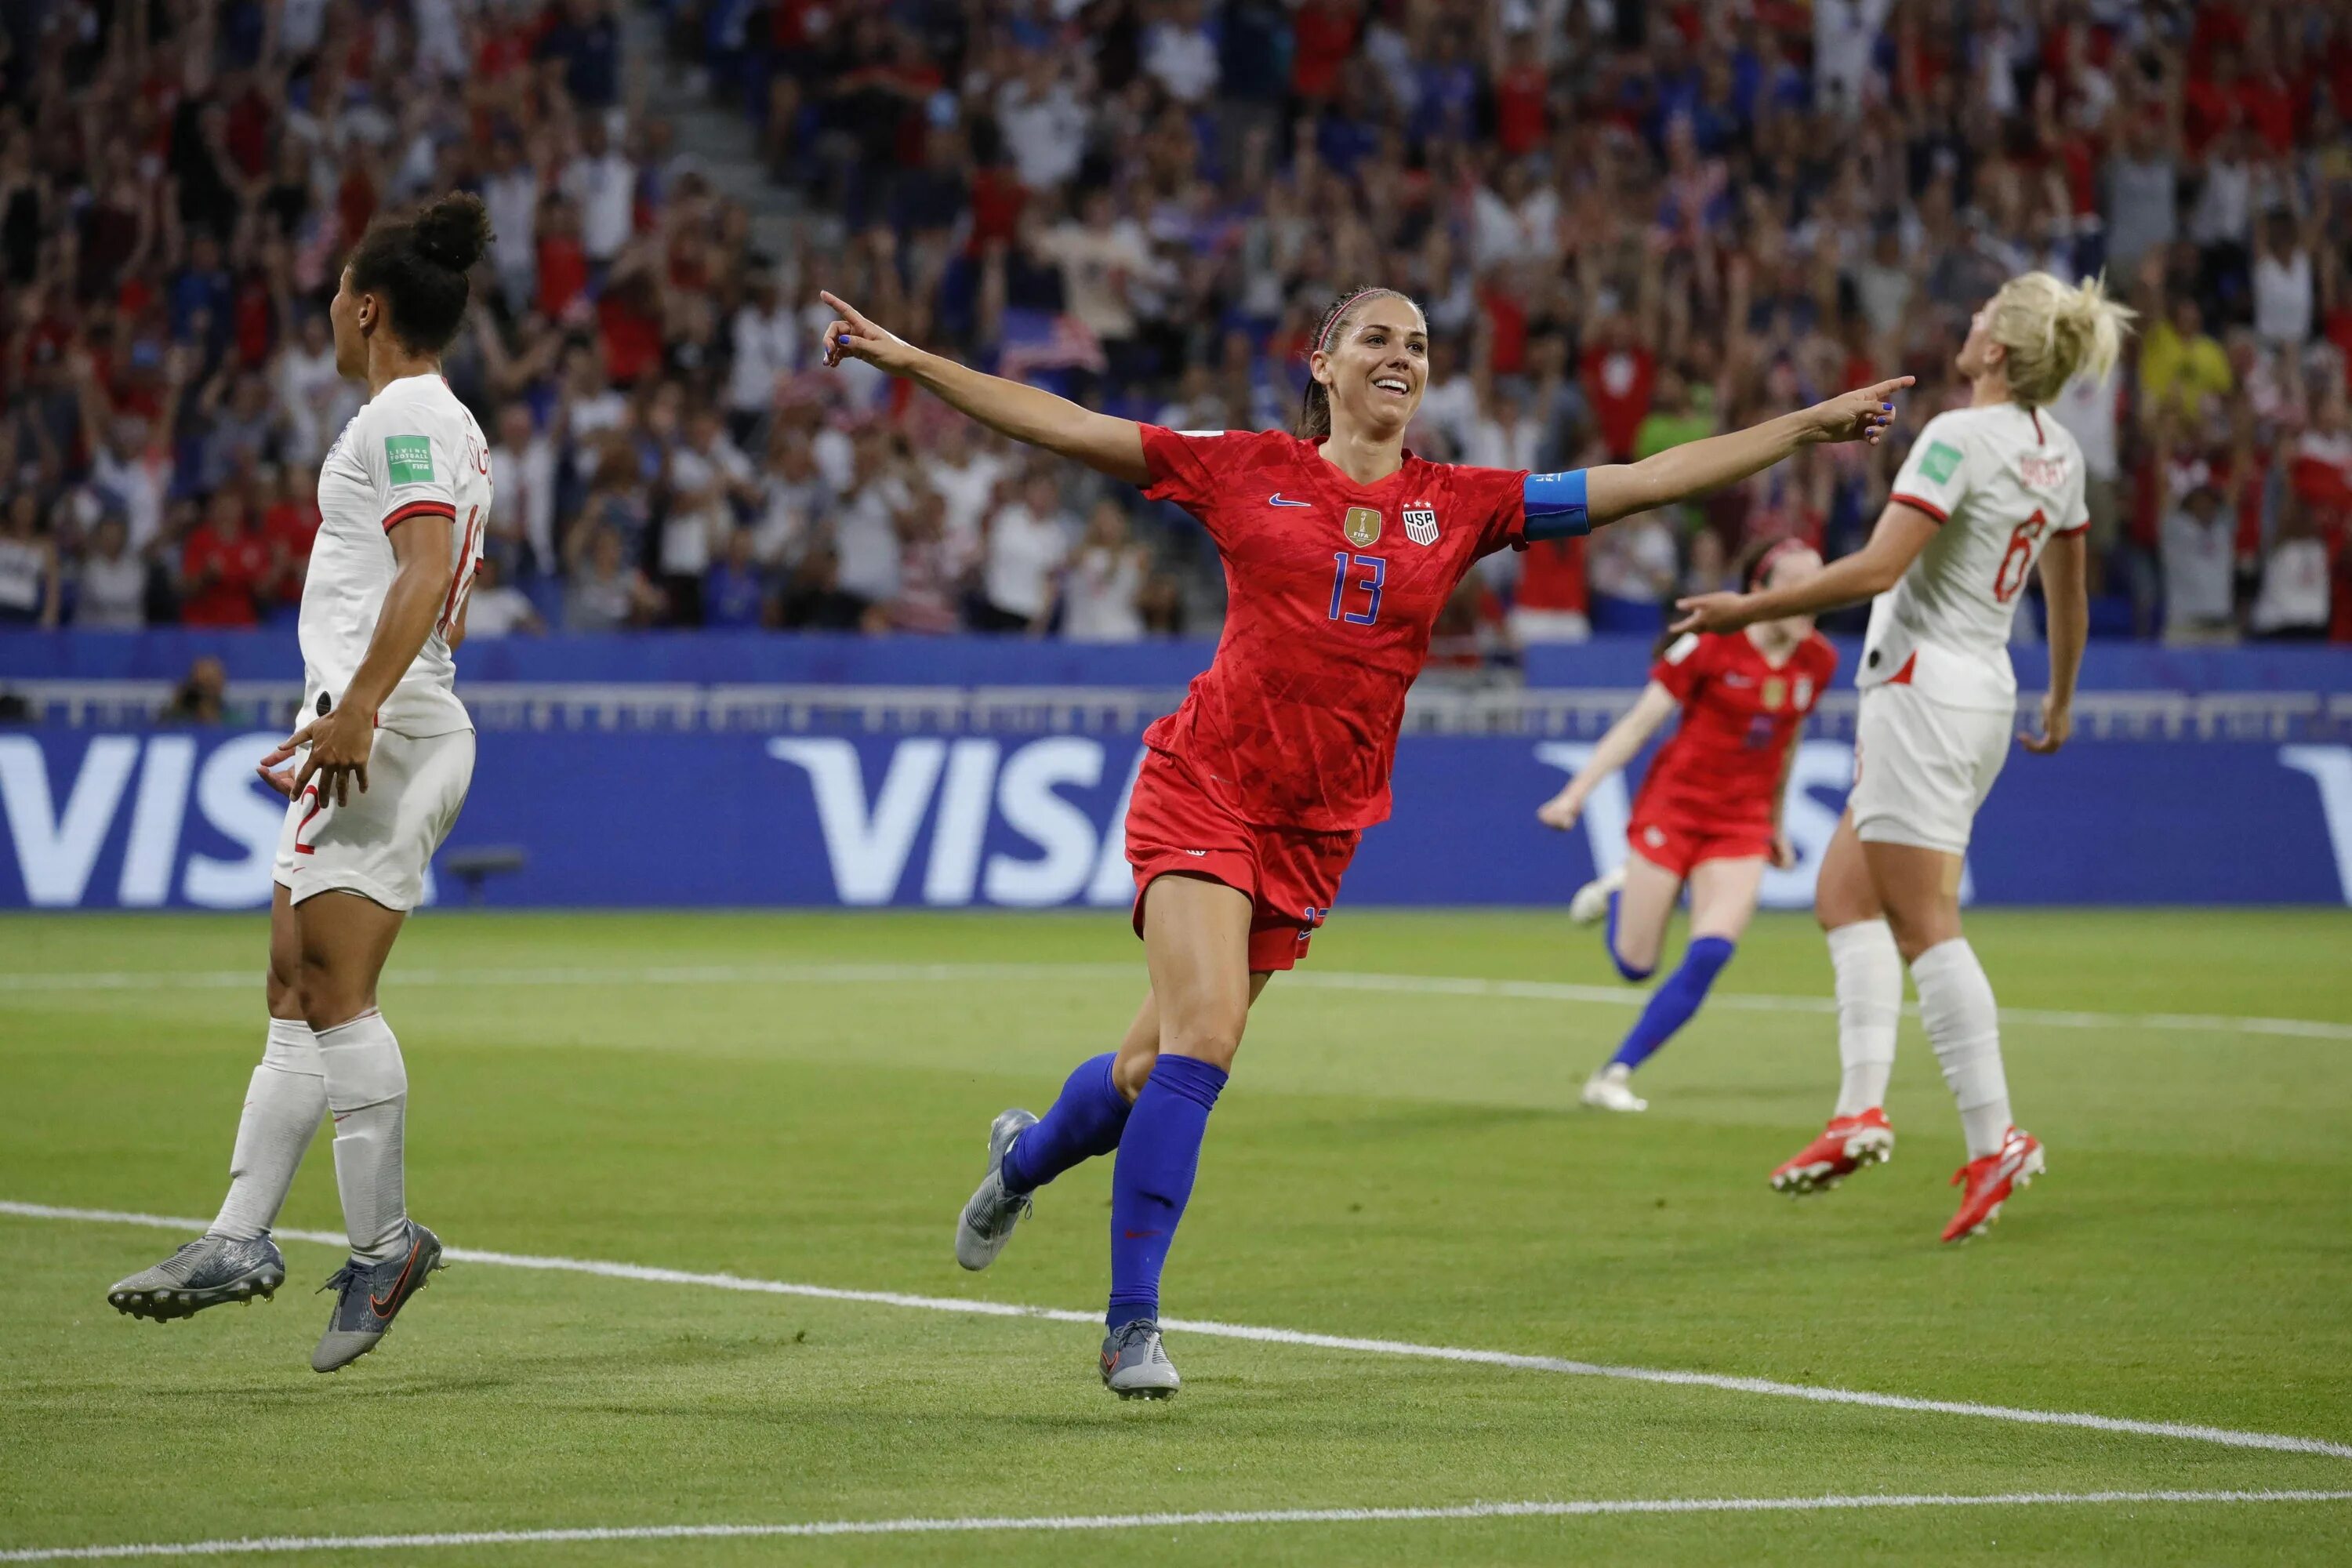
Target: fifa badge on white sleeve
[1420, 522]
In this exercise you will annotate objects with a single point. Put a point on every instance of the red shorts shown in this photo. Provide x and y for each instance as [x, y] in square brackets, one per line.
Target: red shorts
[1676, 843]
[1291, 874]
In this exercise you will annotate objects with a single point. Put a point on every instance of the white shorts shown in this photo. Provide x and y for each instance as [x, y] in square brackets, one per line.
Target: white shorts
[1921, 770]
[378, 844]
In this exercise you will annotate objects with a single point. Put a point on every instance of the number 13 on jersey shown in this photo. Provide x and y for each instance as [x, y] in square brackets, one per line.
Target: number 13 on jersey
[1345, 586]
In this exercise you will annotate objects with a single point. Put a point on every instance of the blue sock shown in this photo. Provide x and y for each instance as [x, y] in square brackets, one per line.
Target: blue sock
[1153, 1179]
[1085, 1121]
[1675, 999]
[1623, 968]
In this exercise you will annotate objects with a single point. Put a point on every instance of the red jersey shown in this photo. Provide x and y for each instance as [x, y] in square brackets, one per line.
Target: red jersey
[1740, 716]
[242, 567]
[1333, 589]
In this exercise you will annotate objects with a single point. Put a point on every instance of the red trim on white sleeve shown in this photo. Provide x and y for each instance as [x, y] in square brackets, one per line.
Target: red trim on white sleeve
[1930, 508]
[2082, 527]
[400, 514]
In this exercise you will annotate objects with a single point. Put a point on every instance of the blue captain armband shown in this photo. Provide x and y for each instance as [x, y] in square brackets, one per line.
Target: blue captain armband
[1555, 505]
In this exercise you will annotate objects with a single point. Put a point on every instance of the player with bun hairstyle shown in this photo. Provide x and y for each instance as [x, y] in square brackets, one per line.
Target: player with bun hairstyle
[1708, 815]
[1986, 492]
[1340, 547]
[373, 780]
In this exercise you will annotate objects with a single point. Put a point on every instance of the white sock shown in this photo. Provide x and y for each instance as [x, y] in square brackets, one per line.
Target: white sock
[1955, 1004]
[282, 1107]
[367, 1089]
[1870, 1004]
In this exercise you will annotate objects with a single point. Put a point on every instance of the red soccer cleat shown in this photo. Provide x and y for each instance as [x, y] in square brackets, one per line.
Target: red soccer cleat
[1990, 1180]
[1848, 1144]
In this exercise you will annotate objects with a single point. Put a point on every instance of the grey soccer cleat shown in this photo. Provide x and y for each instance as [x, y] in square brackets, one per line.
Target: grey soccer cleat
[1135, 1364]
[369, 1295]
[988, 1218]
[208, 1271]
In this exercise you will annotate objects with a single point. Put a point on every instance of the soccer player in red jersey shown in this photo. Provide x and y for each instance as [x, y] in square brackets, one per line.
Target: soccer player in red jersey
[1340, 547]
[1708, 815]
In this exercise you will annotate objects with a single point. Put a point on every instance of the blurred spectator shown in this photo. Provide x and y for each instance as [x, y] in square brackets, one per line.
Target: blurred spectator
[1632, 569]
[522, 495]
[225, 566]
[201, 698]
[2180, 364]
[496, 608]
[817, 601]
[1027, 541]
[705, 478]
[966, 469]
[925, 599]
[793, 503]
[1104, 580]
[2200, 553]
[605, 591]
[1708, 568]
[29, 585]
[289, 526]
[110, 588]
[733, 595]
[2285, 300]
[764, 338]
[865, 524]
[2293, 599]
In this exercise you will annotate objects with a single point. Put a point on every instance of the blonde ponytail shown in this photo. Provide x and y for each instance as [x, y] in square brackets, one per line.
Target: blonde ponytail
[2051, 330]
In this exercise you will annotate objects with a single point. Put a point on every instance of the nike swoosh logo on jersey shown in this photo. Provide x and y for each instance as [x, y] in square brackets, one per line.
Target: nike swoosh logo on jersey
[1275, 499]
[1739, 681]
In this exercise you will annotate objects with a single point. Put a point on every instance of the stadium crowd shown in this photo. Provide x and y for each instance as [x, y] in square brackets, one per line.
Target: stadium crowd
[1630, 224]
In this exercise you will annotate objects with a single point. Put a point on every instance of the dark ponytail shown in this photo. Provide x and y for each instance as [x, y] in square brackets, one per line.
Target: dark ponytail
[420, 263]
[1315, 412]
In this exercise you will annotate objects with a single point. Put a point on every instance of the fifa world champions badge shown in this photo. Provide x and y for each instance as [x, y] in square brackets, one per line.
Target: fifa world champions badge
[1420, 522]
[1361, 525]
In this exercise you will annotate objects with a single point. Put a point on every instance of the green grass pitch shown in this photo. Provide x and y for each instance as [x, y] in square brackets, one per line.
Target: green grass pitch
[1399, 1164]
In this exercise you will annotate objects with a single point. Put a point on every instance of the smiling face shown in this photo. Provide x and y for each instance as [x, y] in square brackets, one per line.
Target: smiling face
[1375, 366]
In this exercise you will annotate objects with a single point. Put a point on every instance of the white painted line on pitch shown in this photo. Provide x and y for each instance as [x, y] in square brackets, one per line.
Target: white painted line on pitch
[2227, 1436]
[1582, 1509]
[965, 973]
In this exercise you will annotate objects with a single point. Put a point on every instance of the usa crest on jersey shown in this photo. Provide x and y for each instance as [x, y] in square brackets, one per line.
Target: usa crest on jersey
[1420, 522]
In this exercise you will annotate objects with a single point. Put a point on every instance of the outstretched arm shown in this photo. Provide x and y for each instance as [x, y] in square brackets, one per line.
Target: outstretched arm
[1620, 745]
[1695, 467]
[1902, 533]
[1035, 417]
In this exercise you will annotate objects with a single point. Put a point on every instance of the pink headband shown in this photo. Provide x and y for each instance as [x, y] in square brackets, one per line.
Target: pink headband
[1323, 343]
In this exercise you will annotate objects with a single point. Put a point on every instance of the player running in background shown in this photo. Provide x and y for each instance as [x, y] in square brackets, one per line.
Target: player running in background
[1340, 547]
[1708, 815]
[1986, 491]
[384, 760]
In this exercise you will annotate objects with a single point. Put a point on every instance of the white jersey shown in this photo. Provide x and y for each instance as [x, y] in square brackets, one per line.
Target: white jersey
[2000, 479]
[413, 452]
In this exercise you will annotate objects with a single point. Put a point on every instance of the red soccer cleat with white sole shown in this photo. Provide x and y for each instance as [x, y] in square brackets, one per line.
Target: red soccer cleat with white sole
[1848, 1144]
[1989, 1181]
